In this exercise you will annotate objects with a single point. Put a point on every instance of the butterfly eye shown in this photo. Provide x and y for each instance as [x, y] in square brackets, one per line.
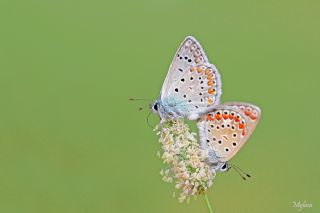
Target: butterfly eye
[155, 106]
[224, 167]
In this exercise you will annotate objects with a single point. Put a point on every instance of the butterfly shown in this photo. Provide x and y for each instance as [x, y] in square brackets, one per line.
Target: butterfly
[224, 130]
[192, 86]
[192, 89]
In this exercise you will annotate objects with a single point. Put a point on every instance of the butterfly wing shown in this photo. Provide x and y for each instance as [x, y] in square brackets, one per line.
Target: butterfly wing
[227, 128]
[192, 85]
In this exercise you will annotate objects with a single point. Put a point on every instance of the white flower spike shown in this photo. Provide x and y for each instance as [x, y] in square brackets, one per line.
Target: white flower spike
[187, 161]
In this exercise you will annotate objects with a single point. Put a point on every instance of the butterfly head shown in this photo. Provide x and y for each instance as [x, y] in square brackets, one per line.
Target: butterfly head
[224, 167]
[154, 106]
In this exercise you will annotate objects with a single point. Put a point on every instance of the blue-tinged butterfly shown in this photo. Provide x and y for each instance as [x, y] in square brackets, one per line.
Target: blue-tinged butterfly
[192, 86]
[224, 130]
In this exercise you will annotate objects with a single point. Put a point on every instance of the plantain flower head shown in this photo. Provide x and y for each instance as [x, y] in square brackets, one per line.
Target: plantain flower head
[187, 167]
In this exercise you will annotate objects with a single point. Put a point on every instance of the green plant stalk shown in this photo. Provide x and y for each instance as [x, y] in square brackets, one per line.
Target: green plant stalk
[208, 203]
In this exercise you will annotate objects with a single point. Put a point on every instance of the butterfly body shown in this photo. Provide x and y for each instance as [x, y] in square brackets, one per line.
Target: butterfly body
[192, 86]
[168, 108]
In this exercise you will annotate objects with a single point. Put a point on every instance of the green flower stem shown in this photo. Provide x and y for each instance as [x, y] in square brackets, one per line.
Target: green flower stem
[208, 203]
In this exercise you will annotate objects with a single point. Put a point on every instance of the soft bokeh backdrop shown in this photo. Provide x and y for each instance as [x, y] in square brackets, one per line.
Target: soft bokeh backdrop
[70, 141]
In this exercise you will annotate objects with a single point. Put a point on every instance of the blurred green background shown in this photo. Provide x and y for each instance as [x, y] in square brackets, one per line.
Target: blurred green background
[70, 141]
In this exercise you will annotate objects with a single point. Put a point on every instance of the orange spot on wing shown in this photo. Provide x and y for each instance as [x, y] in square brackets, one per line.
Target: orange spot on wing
[253, 117]
[210, 75]
[211, 91]
[244, 132]
[192, 69]
[237, 119]
[247, 112]
[230, 116]
[241, 126]
[207, 72]
[210, 83]
[209, 118]
[210, 101]
[200, 70]
[225, 116]
[218, 117]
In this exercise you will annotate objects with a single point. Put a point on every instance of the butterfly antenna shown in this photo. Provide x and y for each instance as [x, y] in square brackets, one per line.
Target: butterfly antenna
[238, 169]
[143, 107]
[148, 120]
[249, 176]
[139, 99]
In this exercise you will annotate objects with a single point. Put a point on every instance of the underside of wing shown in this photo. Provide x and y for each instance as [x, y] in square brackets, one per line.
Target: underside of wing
[192, 82]
[227, 128]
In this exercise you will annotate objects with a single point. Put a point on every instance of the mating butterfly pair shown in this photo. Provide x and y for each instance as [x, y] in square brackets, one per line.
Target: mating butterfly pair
[192, 89]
